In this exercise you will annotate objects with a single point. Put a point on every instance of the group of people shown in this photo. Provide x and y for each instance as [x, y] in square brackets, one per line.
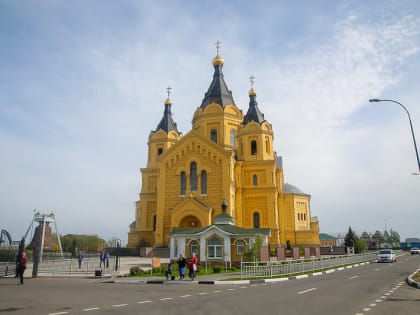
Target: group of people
[104, 259]
[182, 266]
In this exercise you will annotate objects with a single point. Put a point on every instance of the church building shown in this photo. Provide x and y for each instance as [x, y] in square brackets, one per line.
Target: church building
[219, 187]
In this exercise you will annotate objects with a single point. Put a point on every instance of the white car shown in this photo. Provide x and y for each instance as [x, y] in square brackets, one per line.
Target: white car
[415, 250]
[387, 255]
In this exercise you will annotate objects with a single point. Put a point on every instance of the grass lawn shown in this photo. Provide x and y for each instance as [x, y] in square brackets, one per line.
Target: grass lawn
[416, 277]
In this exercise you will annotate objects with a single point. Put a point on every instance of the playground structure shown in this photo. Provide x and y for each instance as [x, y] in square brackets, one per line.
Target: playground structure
[44, 220]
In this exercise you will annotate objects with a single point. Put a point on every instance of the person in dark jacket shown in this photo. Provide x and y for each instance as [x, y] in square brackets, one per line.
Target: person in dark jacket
[181, 266]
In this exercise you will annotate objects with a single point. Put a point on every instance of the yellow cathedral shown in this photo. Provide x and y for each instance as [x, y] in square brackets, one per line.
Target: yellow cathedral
[215, 189]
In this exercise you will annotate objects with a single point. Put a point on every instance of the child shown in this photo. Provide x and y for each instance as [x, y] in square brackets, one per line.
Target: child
[168, 272]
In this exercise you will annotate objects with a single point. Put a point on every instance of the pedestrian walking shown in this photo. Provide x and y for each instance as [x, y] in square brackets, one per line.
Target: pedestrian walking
[192, 266]
[80, 258]
[101, 259]
[106, 258]
[22, 266]
[181, 266]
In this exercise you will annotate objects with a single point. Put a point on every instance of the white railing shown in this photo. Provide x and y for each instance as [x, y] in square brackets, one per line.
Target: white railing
[272, 269]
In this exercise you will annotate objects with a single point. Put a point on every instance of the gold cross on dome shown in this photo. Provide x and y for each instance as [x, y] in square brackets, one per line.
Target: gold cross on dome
[168, 90]
[218, 46]
[251, 79]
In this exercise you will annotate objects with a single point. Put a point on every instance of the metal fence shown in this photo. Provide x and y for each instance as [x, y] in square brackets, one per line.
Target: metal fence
[7, 269]
[272, 269]
[70, 267]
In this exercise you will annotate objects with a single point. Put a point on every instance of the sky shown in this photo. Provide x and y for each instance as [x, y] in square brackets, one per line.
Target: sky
[83, 83]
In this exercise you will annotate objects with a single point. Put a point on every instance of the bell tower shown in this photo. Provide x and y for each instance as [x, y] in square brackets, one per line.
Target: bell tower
[255, 136]
[164, 136]
[218, 118]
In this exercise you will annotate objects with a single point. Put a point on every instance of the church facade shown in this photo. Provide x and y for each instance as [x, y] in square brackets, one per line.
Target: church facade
[225, 167]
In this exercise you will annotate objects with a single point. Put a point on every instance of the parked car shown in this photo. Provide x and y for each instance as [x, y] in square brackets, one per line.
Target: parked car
[415, 250]
[387, 255]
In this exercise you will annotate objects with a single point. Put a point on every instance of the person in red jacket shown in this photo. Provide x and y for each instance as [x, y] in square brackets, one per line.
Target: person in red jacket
[22, 266]
[192, 266]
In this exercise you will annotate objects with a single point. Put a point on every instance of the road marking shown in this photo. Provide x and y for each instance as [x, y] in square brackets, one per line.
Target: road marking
[377, 269]
[91, 309]
[387, 293]
[142, 302]
[165, 299]
[378, 300]
[184, 296]
[366, 309]
[231, 289]
[383, 297]
[59, 313]
[254, 285]
[202, 293]
[301, 292]
[119, 305]
[217, 291]
[353, 277]
[243, 287]
[372, 304]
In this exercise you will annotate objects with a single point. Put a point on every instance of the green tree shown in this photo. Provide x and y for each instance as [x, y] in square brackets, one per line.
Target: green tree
[350, 238]
[394, 239]
[365, 235]
[378, 236]
[254, 252]
[360, 246]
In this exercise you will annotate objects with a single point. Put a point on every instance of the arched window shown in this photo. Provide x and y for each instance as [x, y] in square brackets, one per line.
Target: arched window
[193, 176]
[254, 180]
[254, 147]
[194, 247]
[183, 183]
[213, 135]
[267, 146]
[203, 182]
[256, 220]
[154, 222]
[232, 137]
[215, 247]
[240, 247]
[160, 151]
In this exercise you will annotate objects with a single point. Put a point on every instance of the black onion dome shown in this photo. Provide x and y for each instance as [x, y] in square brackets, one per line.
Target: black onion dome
[253, 113]
[167, 123]
[218, 91]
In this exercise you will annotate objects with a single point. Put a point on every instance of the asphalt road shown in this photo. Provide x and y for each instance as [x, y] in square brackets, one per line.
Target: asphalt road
[369, 289]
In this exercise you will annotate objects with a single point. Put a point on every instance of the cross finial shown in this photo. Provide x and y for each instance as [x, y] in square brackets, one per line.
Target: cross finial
[218, 46]
[168, 90]
[251, 79]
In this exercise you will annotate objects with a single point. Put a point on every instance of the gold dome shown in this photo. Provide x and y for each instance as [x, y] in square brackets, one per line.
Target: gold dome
[252, 92]
[218, 61]
[168, 101]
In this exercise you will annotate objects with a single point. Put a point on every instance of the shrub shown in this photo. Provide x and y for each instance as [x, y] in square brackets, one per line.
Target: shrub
[217, 269]
[136, 271]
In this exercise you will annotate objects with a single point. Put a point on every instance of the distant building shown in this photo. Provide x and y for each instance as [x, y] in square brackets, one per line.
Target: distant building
[226, 158]
[327, 240]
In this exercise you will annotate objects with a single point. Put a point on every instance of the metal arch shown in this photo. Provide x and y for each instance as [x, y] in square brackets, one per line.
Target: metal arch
[8, 237]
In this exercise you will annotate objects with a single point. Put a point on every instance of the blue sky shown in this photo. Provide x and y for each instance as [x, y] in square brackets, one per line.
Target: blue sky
[82, 83]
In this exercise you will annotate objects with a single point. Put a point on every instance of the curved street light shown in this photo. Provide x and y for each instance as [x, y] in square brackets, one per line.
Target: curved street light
[411, 126]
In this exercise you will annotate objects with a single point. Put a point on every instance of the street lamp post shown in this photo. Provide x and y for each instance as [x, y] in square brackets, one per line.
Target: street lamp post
[117, 254]
[386, 219]
[411, 126]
